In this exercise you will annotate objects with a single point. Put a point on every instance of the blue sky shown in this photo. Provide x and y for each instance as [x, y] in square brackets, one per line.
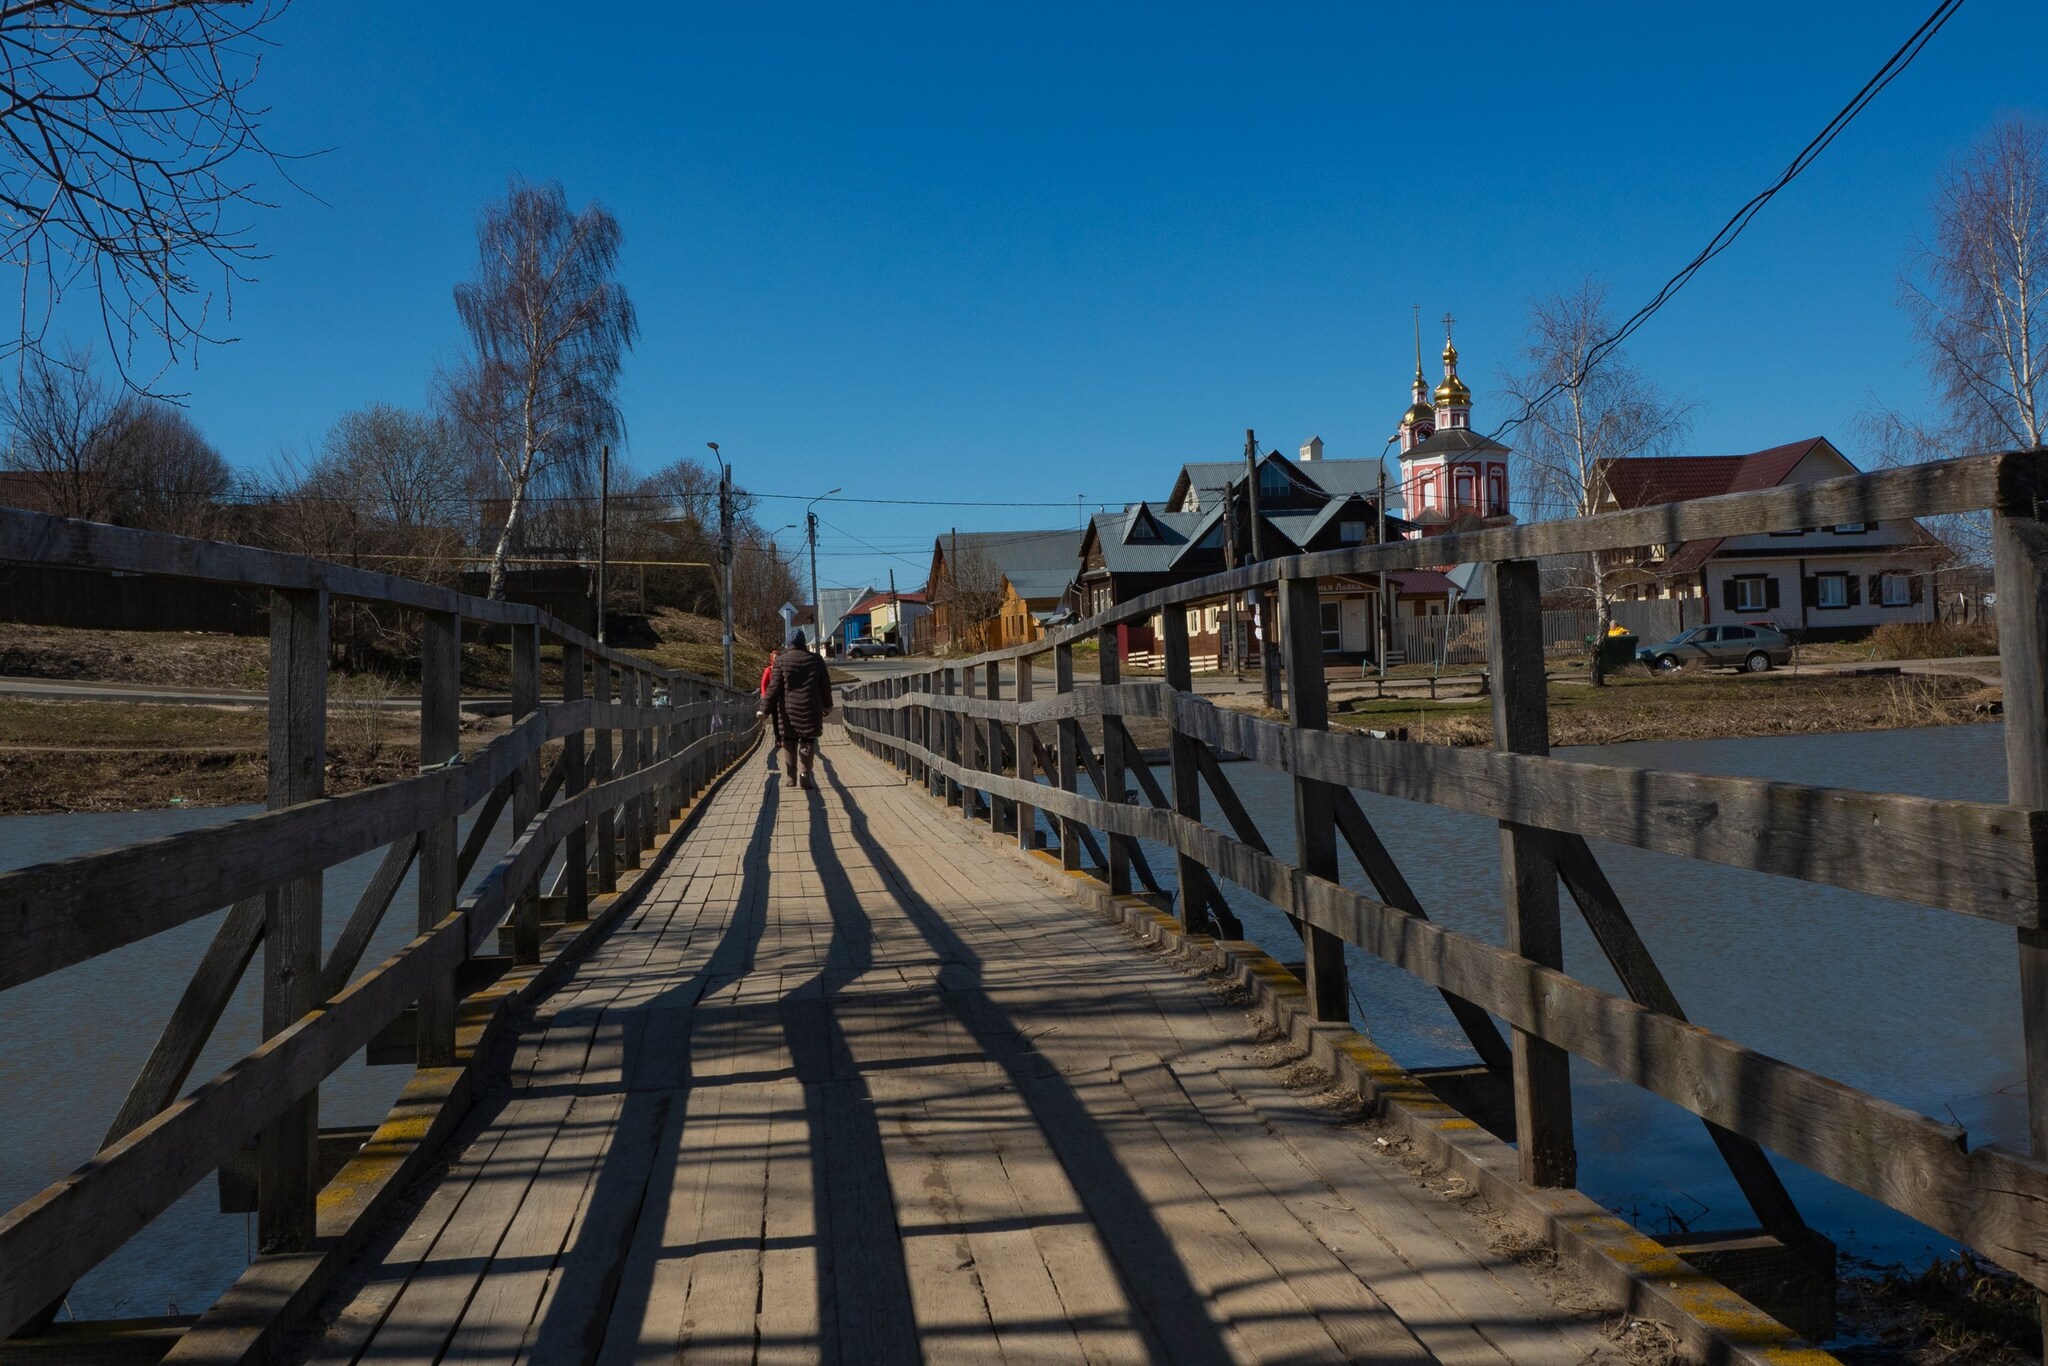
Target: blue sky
[1011, 252]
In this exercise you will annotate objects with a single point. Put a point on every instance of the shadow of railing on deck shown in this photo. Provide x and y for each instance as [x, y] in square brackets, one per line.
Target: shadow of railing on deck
[1167, 1306]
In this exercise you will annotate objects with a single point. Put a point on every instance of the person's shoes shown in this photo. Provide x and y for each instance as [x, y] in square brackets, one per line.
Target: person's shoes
[808, 785]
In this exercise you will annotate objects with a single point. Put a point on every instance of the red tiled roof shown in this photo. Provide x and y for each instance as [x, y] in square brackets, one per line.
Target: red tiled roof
[874, 600]
[1649, 480]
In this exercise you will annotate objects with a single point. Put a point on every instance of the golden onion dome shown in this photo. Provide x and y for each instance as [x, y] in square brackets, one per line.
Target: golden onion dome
[1418, 412]
[1453, 393]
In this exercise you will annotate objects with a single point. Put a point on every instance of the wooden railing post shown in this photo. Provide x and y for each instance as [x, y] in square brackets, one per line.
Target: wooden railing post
[1189, 877]
[575, 778]
[1115, 788]
[1521, 725]
[967, 736]
[1299, 649]
[648, 816]
[992, 741]
[440, 741]
[606, 832]
[1069, 732]
[525, 784]
[288, 1180]
[949, 727]
[928, 732]
[1026, 736]
[630, 842]
[2019, 548]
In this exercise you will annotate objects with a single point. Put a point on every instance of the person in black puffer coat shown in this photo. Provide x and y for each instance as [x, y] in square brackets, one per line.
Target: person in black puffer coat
[799, 697]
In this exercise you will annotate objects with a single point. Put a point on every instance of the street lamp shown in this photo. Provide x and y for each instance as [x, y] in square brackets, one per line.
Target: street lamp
[726, 556]
[811, 530]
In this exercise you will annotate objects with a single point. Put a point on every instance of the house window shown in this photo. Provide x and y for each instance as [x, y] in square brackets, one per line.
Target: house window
[1897, 590]
[1752, 593]
[1194, 621]
[1851, 529]
[1464, 488]
[1333, 634]
[1425, 493]
[1351, 533]
[1795, 531]
[1831, 590]
[1210, 615]
[1496, 491]
[1273, 482]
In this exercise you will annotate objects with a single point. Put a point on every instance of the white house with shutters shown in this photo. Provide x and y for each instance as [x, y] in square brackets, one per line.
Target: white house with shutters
[1820, 581]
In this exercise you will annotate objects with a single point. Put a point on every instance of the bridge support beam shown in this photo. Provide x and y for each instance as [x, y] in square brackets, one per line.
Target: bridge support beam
[1315, 803]
[1114, 786]
[291, 923]
[2019, 548]
[440, 741]
[1069, 729]
[1528, 859]
[1027, 758]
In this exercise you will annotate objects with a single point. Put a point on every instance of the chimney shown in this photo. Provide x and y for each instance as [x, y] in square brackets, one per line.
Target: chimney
[1313, 450]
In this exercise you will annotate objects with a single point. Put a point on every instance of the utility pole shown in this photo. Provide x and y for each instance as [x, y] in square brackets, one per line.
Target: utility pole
[1385, 613]
[1230, 602]
[1269, 656]
[817, 613]
[811, 530]
[604, 530]
[725, 553]
[896, 612]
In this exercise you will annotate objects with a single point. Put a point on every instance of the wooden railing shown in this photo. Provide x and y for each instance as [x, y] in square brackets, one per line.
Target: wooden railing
[638, 744]
[950, 728]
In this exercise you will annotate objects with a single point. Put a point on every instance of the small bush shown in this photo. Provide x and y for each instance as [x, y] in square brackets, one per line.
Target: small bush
[1933, 640]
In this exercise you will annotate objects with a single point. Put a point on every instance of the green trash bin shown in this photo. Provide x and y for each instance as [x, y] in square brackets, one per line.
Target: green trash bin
[1616, 651]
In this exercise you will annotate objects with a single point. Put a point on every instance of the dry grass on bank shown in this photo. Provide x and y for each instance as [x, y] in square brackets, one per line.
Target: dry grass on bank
[1691, 707]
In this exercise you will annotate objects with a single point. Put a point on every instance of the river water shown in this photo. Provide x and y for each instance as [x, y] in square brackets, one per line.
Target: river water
[1916, 1005]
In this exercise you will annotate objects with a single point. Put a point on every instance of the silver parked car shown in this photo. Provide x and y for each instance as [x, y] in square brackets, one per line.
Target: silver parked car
[1755, 647]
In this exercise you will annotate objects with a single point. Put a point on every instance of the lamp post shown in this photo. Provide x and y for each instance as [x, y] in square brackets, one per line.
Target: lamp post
[811, 532]
[725, 552]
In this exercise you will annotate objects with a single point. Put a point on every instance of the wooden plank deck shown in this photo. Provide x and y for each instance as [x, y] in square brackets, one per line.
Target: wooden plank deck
[846, 1087]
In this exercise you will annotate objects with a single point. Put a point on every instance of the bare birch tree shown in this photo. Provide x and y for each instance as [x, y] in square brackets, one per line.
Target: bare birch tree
[60, 416]
[1601, 414]
[1980, 306]
[129, 135]
[549, 327]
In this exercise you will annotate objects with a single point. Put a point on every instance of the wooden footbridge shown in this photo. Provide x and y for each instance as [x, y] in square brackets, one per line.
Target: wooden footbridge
[963, 1057]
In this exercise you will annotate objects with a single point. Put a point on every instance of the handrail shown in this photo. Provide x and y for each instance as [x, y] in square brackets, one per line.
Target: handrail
[2006, 481]
[1984, 859]
[267, 866]
[40, 538]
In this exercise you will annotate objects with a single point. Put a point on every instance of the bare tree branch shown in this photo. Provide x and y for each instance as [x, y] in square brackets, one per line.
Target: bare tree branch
[129, 134]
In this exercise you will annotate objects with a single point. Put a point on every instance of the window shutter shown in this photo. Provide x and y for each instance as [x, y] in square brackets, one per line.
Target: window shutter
[1855, 589]
[1771, 591]
[1914, 587]
[1728, 594]
[1811, 591]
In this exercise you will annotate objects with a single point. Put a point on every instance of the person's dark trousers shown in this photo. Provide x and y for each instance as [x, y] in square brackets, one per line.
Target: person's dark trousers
[798, 753]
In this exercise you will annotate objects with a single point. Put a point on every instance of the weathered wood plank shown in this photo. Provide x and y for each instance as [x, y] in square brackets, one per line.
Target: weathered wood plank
[288, 1149]
[1521, 725]
[442, 868]
[1315, 817]
[1386, 878]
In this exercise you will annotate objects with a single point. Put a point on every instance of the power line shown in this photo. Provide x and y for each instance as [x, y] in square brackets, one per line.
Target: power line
[1733, 228]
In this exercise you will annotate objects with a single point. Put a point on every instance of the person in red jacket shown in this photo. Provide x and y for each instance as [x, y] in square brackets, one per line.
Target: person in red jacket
[774, 719]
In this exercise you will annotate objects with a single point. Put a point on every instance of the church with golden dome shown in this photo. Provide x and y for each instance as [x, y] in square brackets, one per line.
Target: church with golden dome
[1449, 472]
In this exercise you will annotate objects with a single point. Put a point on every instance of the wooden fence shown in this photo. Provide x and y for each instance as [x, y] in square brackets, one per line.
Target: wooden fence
[952, 729]
[626, 768]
